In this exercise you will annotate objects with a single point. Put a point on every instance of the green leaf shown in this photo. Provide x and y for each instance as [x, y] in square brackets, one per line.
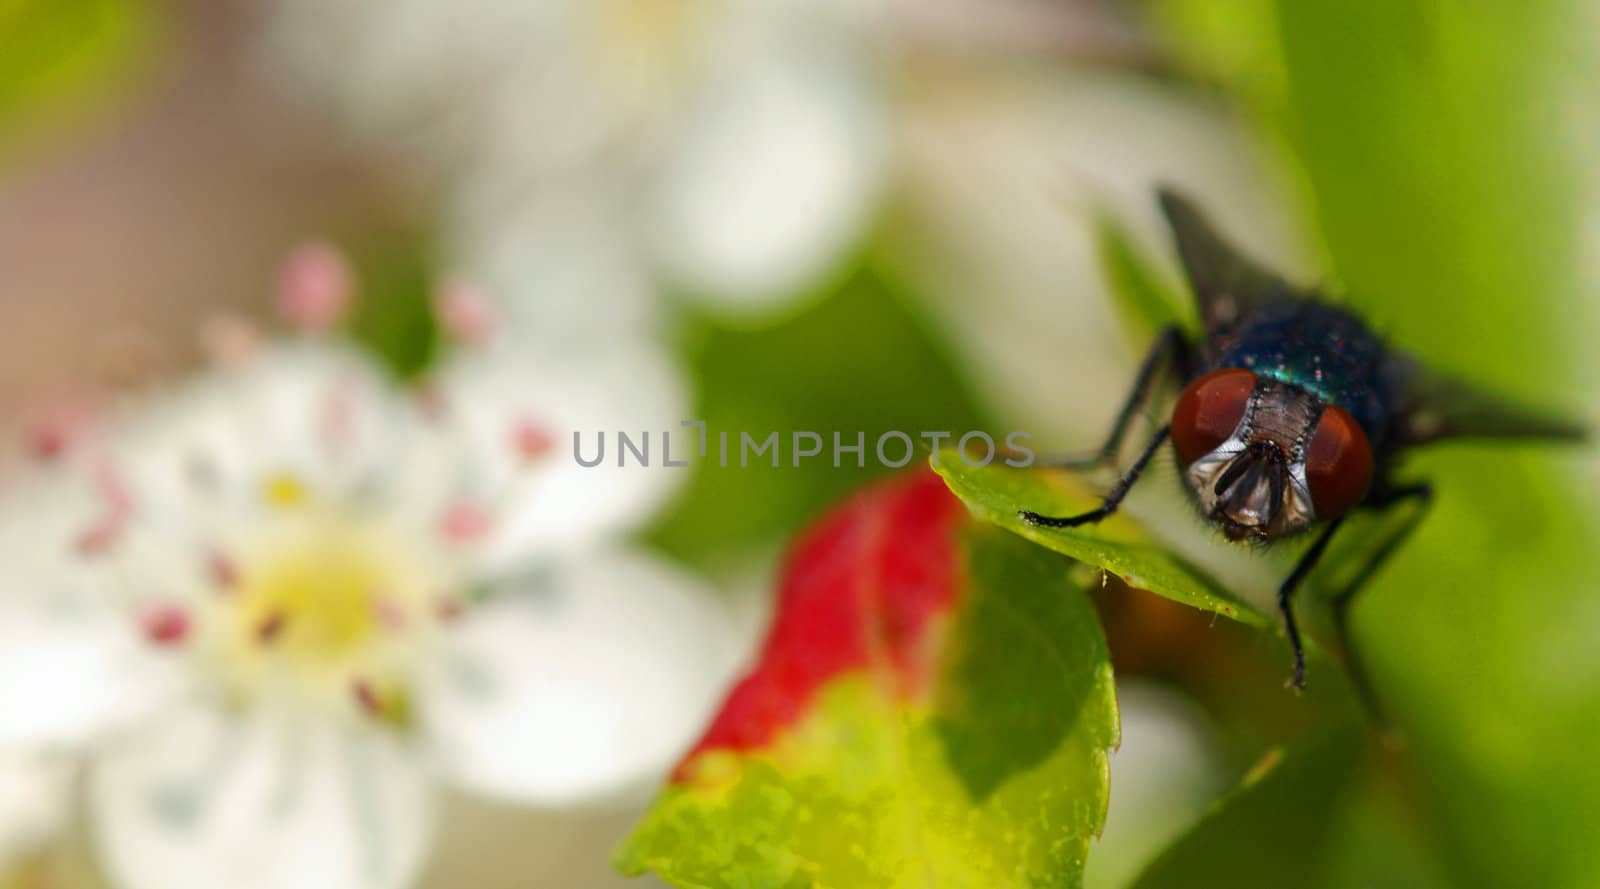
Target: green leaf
[1026, 662]
[1274, 831]
[997, 493]
[55, 57]
[933, 707]
[1147, 299]
[854, 362]
[1437, 146]
[1324, 814]
[1455, 205]
[1231, 43]
[394, 316]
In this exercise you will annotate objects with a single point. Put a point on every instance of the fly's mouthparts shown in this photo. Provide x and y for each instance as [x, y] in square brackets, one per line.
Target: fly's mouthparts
[1250, 490]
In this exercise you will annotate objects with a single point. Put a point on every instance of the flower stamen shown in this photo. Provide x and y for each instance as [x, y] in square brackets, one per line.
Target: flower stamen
[165, 626]
[315, 288]
[463, 314]
[448, 609]
[270, 629]
[117, 500]
[389, 613]
[224, 572]
[532, 439]
[392, 706]
[466, 522]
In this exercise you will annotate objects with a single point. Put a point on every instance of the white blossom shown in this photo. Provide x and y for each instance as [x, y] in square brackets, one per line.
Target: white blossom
[730, 151]
[271, 607]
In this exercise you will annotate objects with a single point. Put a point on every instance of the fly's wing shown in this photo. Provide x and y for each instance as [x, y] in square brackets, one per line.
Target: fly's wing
[1226, 282]
[1435, 406]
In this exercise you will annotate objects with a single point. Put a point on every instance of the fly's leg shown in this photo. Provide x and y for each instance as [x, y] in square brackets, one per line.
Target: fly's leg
[1169, 344]
[1382, 499]
[1113, 497]
[1286, 599]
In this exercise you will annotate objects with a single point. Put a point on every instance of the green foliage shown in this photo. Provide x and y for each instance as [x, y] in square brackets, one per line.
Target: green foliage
[1229, 44]
[853, 361]
[996, 493]
[1321, 814]
[1274, 831]
[1433, 143]
[394, 314]
[1147, 301]
[56, 56]
[1452, 213]
[1428, 141]
[1026, 670]
[1000, 783]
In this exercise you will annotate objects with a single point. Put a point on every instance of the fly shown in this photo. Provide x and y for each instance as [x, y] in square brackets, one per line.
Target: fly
[1292, 416]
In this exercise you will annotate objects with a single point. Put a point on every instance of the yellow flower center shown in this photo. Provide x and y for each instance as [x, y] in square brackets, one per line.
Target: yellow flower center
[317, 599]
[328, 602]
[283, 490]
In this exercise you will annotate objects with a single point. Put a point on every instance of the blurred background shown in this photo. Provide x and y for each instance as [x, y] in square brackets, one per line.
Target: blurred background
[872, 215]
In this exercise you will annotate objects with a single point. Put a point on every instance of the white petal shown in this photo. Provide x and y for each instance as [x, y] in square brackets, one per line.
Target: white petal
[551, 502]
[321, 414]
[774, 177]
[71, 660]
[418, 81]
[581, 683]
[34, 792]
[258, 802]
[68, 674]
[562, 266]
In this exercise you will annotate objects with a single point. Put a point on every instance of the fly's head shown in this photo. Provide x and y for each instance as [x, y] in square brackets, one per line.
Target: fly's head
[1266, 459]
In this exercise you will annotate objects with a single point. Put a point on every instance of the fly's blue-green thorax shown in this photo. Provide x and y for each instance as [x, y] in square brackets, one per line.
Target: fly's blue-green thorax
[1319, 348]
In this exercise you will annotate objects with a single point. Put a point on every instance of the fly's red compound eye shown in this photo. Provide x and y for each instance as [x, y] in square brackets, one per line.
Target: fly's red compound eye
[1208, 411]
[1338, 463]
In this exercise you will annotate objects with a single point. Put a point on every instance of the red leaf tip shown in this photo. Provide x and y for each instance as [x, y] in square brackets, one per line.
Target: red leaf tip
[860, 591]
